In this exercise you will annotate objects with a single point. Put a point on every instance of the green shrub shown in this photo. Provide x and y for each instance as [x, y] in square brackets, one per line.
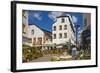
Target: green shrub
[55, 59]
[83, 54]
[26, 53]
[31, 53]
[36, 52]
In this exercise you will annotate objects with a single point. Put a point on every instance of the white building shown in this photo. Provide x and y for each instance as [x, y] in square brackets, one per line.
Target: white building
[33, 34]
[63, 31]
[36, 36]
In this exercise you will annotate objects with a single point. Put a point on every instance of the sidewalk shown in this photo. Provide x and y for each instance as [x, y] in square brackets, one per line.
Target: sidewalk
[48, 57]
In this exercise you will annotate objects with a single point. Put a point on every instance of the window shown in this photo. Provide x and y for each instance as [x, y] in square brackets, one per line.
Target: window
[54, 28]
[60, 35]
[23, 28]
[34, 41]
[25, 39]
[65, 35]
[32, 32]
[63, 20]
[65, 27]
[54, 36]
[39, 41]
[85, 22]
[60, 27]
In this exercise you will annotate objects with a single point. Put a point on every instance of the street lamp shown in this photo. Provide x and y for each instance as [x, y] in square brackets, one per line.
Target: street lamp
[76, 27]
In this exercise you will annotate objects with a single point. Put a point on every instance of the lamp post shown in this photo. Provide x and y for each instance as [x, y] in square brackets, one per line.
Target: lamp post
[76, 27]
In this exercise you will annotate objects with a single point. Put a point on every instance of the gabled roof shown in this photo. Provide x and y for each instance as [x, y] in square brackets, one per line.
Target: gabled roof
[69, 20]
[62, 16]
[44, 30]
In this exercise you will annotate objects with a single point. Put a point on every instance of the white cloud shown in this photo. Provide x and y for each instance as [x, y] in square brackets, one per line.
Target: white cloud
[80, 28]
[80, 31]
[68, 14]
[70, 17]
[53, 15]
[79, 34]
[74, 18]
[37, 16]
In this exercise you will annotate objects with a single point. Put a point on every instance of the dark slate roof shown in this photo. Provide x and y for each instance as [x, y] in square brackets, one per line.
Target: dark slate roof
[62, 16]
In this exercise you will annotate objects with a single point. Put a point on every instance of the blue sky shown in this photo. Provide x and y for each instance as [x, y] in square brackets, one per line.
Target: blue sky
[45, 19]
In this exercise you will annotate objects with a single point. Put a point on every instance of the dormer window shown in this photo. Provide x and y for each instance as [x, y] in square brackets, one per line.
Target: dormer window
[32, 32]
[62, 20]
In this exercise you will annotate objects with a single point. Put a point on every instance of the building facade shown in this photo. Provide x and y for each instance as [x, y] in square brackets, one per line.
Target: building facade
[86, 34]
[37, 36]
[33, 35]
[63, 31]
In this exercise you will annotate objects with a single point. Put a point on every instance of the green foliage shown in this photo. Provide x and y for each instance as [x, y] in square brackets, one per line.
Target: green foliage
[26, 53]
[84, 54]
[36, 52]
[55, 59]
[54, 51]
[69, 51]
[31, 53]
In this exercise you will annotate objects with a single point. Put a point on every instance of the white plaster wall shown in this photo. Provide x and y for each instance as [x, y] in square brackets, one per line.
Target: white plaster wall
[37, 32]
[69, 31]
